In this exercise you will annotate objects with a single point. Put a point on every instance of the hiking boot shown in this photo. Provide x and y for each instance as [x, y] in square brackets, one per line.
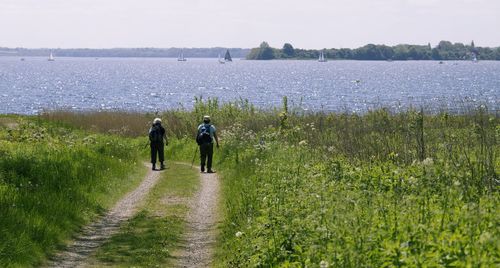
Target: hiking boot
[154, 167]
[162, 167]
[210, 171]
[202, 168]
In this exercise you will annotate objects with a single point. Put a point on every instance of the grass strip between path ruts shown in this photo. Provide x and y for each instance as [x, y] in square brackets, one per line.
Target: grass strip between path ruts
[149, 238]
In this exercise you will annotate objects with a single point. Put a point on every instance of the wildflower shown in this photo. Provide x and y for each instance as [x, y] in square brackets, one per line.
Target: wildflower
[428, 162]
[330, 149]
[303, 143]
[484, 238]
[238, 234]
[324, 264]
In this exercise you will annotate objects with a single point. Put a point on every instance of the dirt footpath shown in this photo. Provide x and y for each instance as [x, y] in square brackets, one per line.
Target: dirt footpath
[94, 235]
[198, 243]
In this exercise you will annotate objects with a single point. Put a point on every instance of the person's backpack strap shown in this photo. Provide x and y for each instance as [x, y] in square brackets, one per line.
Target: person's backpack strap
[151, 133]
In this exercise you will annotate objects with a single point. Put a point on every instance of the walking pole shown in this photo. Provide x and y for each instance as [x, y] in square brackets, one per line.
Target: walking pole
[194, 156]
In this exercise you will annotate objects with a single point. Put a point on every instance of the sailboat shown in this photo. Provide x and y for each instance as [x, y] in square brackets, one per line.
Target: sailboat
[181, 57]
[51, 57]
[221, 61]
[227, 57]
[321, 57]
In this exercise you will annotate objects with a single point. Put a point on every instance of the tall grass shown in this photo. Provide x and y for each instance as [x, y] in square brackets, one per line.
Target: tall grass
[347, 190]
[52, 181]
[380, 189]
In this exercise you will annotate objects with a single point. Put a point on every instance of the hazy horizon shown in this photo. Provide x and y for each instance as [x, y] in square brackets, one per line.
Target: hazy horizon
[245, 24]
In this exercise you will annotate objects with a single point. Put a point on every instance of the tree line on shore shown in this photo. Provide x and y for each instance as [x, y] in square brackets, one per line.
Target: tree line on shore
[445, 50]
[125, 52]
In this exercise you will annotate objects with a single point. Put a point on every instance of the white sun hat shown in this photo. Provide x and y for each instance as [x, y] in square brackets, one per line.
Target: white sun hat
[157, 120]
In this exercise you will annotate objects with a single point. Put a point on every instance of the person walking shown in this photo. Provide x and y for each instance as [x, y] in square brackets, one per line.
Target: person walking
[157, 136]
[205, 139]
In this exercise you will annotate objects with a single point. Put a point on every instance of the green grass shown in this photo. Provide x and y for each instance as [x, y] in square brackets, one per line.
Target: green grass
[53, 180]
[379, 189]
[151, 236]
[373, 190]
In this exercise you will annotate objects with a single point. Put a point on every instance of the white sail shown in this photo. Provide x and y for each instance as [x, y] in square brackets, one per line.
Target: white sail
[51, 57]
[221, 61]
[321, 57]
[181, 57]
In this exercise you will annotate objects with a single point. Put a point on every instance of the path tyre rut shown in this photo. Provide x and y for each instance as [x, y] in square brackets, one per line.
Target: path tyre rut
[202, 220]
[94, 235]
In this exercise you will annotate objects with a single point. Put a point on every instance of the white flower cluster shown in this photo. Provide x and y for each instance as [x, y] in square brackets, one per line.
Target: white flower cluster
[426, 162]
[311, 126]
[237, 133]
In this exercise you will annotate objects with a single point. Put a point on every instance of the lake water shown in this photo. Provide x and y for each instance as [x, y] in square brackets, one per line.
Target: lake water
[30, 86]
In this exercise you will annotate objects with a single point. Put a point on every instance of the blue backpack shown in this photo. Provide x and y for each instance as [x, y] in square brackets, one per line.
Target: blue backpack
[204, 135]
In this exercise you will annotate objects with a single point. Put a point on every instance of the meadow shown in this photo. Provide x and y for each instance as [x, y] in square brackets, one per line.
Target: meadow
[380, 189]
[347, 190]
[55, 179]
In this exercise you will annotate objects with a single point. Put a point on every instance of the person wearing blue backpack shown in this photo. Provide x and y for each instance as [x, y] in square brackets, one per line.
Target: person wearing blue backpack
[205, 139]
[157, 136]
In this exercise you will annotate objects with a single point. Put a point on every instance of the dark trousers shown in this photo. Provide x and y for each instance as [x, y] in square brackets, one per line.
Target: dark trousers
[206, 151]
[157, 149]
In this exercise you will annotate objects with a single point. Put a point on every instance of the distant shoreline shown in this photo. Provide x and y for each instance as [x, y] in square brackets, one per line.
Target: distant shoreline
[238, 59]
[125, 52]
[444, 51]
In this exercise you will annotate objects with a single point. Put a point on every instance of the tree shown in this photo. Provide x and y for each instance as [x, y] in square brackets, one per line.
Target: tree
[288, 50]
[413, 54]
[436, 55]
[445, 45]
[386, 52]
[266, 52]
[263, 52]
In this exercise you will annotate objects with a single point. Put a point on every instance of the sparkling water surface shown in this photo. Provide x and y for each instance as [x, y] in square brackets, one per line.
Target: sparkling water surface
[139, 84]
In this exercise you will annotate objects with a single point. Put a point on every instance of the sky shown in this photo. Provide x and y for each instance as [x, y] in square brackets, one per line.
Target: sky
[312, 24]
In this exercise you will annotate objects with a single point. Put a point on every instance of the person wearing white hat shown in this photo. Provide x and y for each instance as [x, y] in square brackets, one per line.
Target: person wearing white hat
[157, 136]
[205, 139]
